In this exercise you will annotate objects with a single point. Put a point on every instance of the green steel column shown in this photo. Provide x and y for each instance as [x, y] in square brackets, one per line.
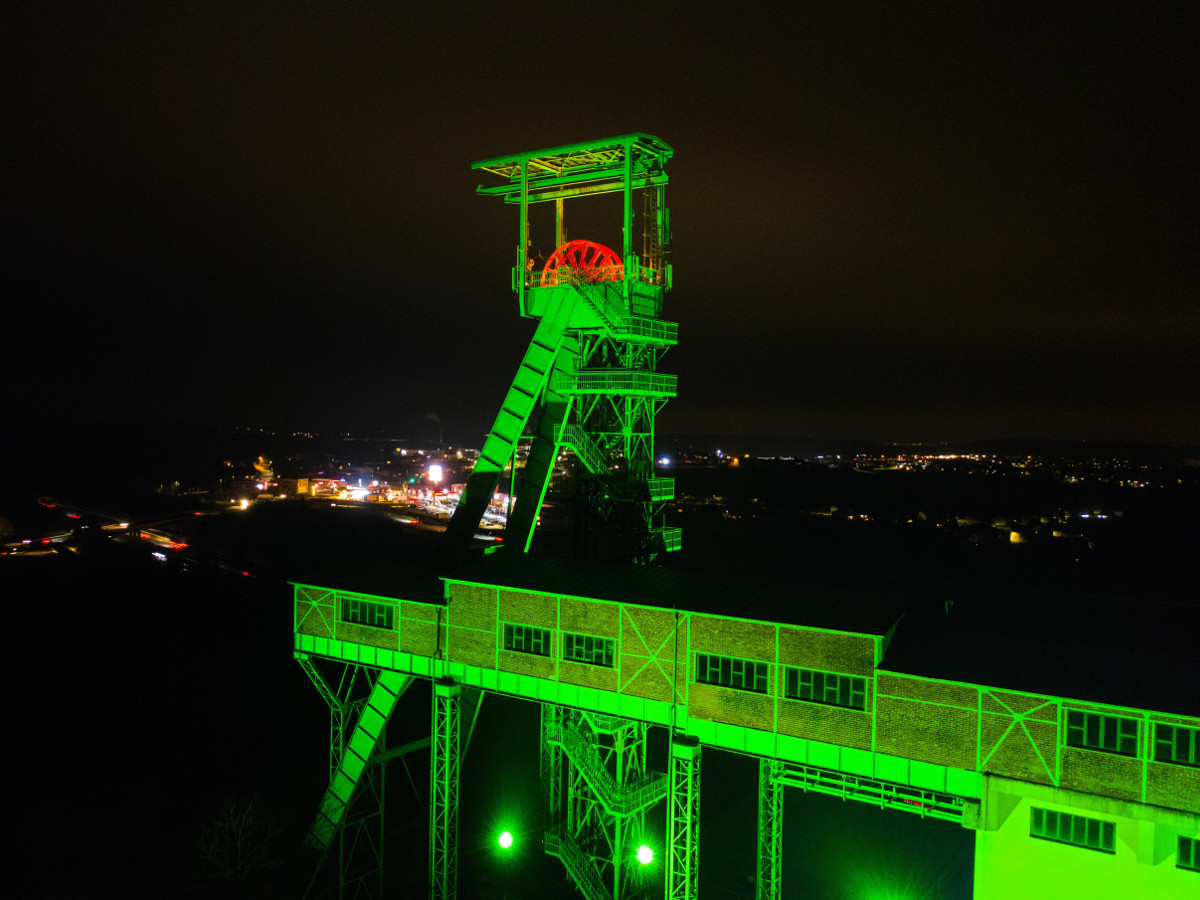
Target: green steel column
[550, 766]
[769, 873]
[627, 225]
[683, 820]
[443, 791]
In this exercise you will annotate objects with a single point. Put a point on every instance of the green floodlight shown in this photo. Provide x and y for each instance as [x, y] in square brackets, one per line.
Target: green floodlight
[645, 855]
[505, 840]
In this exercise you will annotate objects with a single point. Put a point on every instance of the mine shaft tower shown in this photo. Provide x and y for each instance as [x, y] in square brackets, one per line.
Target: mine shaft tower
[589, 380]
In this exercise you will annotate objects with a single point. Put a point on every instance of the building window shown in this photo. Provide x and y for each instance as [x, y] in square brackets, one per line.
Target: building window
[1189, 854]
[1176, 744]
[364, 612]
[729, 671]
[826, 687]
[1096, 731]
[1079, 831]
[527, 639]
[584, 648]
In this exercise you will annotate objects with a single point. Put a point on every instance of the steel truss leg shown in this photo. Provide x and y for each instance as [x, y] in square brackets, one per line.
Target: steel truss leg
[550, 767]
[443, 792]
[683, 819]
[769, 873]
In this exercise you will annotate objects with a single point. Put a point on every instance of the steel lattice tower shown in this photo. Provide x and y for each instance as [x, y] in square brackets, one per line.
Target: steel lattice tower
[589, 380]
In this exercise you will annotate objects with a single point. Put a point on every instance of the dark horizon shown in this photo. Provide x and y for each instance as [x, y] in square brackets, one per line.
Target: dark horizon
[911, 223]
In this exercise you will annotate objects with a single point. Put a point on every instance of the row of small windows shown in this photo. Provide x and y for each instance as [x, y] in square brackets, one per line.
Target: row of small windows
[527, 639]
[1092, 731]
[1066, 828]
[729, 671]
[1096, 834]
[1117, 734]
[799, 684]
[364, 612]
[584, 648]
[826, 687]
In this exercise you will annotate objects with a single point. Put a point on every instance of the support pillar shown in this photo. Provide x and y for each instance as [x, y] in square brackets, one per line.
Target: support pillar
[768, 876]
[683, 819]
[443, 791]
[550, 767]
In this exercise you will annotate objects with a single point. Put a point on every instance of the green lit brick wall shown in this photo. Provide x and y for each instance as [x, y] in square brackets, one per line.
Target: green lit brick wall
[419, 631]
[601, 677]
[832, 724]
[650, 655]
[387, 638]
[472, 635]
[1105, 773]
[1168, 784]
[733, 637]
[473, 647]
[970, 727]
[529, 608]
[314, 611]
[1177, 787]
[933, 721]
[1102, 773]
[1019, 736]
[829, 651]
[720, 704]
[590, 617]
[473, 606]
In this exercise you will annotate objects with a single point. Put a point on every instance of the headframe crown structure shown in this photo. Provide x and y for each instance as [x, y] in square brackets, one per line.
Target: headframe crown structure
[589, 380]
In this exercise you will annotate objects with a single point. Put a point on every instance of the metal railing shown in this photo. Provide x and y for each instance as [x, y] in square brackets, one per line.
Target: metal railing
[585, 448]
[620, 800]
[852, 787]
[577, 865]
[620, 381]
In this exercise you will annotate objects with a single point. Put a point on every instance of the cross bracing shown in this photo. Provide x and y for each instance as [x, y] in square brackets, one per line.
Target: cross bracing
[891, 768]
[590, 374]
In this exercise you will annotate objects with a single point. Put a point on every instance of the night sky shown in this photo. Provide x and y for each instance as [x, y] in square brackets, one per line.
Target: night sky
[892, 221]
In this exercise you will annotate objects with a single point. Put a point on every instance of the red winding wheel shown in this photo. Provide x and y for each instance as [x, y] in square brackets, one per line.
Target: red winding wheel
[582, 261]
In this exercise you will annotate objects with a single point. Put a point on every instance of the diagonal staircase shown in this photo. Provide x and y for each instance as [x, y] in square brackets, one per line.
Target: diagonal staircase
[371, 721]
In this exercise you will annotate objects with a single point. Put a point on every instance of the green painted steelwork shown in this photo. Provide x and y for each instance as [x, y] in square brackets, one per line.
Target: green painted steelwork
[589, 382]
[501, 442]
[768, 879]
[444, 768]
[389, 686]
[683, 820]
[913, 785]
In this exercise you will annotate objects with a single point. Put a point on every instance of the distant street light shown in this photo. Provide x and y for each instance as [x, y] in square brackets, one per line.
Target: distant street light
[645, 855]
[506, 840]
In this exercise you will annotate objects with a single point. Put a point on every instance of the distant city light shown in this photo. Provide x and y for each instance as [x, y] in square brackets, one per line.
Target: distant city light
[435, 473]
[665, 461]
